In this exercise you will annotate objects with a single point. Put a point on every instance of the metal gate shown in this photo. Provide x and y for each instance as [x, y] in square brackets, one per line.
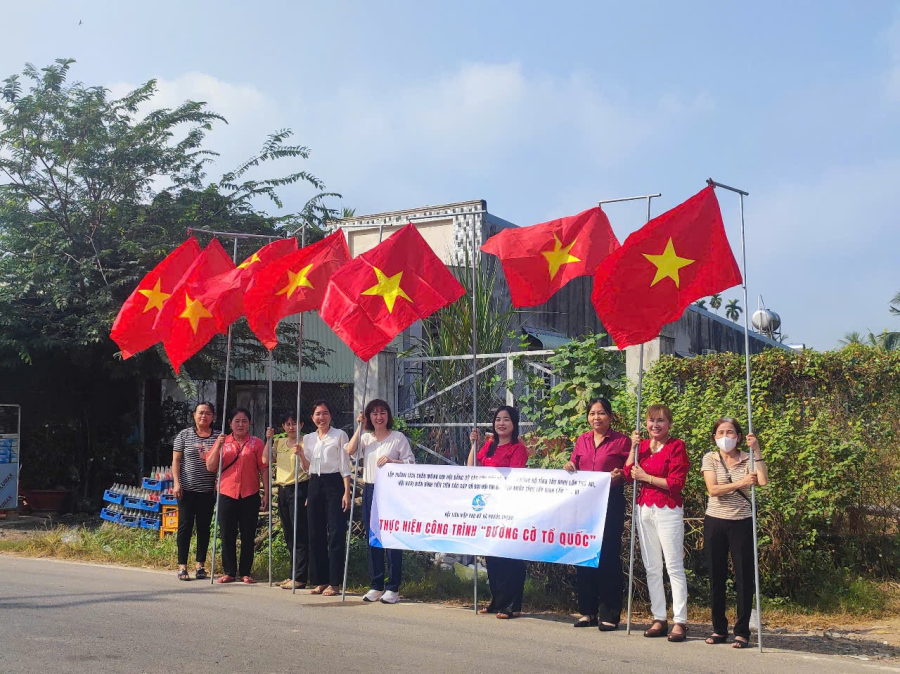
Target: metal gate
[434, 395]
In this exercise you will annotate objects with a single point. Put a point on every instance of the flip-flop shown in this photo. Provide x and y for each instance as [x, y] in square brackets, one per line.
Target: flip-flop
[331, 593]
[225, 579]
[740, 643]
[716, 639]
[248, 580]
[316, 590]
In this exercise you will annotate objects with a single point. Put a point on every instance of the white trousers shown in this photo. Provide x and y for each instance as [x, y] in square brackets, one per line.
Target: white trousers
[661, 533]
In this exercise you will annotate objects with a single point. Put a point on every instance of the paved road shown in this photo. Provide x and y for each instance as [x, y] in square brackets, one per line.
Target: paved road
[67, 617]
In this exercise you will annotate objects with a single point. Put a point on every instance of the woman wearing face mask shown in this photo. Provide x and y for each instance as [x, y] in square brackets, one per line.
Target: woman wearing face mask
[380, 446]
[194, 487]
[285, 466]
[728, 525]
[244, 464]
[506, 577]
[324, 458]
[603, 449]
[661, 471]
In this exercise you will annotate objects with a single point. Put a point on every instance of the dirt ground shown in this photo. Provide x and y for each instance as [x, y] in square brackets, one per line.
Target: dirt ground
[876, 640]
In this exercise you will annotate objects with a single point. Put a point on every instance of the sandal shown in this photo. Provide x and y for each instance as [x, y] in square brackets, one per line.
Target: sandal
[659, 628]
[331, 592]
[248, 580]
[678, 637]
[586, 621]
[201, 574]
[225, 579]
[183, 574]
[318, 589]
[608, 627]
[740, 642]
[716, 639]
[506, 615]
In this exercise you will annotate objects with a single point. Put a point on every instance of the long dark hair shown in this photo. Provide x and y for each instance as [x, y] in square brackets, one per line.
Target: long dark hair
[514, 417]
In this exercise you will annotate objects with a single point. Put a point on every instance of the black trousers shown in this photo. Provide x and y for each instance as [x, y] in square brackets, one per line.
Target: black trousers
[600, 589]
[506, 578]
[719, 538]
[194, 506]
[298, 549]
[377, 555]
[243, 514]
[327, 529]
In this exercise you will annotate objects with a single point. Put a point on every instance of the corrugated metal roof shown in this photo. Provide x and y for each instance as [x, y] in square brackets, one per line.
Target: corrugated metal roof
[337, 370]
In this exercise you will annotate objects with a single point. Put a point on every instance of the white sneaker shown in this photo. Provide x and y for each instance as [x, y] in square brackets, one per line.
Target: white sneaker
[390, 597]
[374, 595]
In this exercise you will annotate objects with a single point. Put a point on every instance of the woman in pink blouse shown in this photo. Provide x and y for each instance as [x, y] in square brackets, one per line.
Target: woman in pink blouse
[506, 577]
[243, 466]
[603, 449]
[662, 470]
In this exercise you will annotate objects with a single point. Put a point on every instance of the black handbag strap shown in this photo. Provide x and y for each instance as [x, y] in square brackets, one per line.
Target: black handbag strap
[728, 475]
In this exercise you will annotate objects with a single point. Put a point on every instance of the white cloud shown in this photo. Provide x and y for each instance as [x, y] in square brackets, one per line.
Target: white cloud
[251, 114]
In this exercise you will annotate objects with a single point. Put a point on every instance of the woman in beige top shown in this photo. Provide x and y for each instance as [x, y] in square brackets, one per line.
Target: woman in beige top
[728, 525]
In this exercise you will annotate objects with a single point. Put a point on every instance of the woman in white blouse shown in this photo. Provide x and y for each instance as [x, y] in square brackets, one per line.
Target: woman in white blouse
[379, 446]
[328, 499]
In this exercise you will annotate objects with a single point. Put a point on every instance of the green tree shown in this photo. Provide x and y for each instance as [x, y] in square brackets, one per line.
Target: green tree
[92, 195]
[716, 301]
[733, 310]
[701, 304]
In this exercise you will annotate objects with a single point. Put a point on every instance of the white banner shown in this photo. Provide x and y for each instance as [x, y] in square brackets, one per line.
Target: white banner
[520, 513]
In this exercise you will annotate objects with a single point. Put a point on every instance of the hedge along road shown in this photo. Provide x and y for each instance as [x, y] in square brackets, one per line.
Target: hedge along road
[71, 617]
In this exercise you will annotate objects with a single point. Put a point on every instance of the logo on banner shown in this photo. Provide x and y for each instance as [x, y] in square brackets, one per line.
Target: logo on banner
[478, 503]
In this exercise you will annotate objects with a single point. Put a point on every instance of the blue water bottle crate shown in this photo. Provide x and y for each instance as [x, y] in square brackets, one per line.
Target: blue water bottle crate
[130, 521]
[149, 506]
[113, 497]
[109, 516]
[132, 502]
[156, 485]
[168, 499]
[150, 523]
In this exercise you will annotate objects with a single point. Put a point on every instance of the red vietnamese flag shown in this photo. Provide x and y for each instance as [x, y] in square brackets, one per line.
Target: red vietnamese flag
[385, 290]
[223, 295]
[185, 324]
[292, 284]
[540, 259]
[133, 328]
[673, 260]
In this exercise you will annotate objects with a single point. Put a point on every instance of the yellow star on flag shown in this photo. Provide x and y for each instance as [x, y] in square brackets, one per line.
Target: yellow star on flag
[668, 264]
[388, 288]
[247, 263]
[155, 297]
[194, 311]
[559, 255]
[296, 280]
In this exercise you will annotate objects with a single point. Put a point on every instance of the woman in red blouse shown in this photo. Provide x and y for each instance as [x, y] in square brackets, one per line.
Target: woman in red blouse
[662, 470]
[603, 449]
[243, 465]
[506, 577]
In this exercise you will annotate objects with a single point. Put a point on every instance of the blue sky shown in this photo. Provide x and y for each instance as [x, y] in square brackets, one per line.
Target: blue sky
[544, 108]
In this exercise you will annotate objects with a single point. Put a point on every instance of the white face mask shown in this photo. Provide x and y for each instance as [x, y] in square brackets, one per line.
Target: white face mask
[726, 443]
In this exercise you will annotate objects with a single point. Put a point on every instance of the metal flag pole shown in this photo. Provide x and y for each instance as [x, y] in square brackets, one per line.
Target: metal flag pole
[365, 390]
[741, 194]
[637, 426]
[475, 248]
[212, 568]
[299, 425]
[269, 443]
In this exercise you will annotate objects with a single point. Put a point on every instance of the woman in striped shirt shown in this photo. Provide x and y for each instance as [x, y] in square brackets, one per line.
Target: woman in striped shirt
[194, 487]
[728, 525]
